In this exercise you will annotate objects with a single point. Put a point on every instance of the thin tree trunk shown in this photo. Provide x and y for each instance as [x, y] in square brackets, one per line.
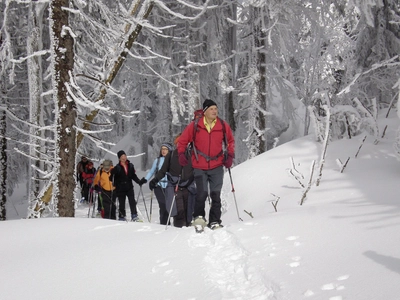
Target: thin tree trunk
[103, 92]
[231, 95]
[34, 44]
[116, 68]
[260, 36]
[3, 153]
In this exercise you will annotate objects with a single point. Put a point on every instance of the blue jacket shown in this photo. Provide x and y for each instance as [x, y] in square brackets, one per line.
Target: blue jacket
[164, 181]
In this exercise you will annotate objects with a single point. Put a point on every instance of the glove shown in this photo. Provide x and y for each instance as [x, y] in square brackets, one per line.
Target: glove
[142, 181]
[97, 188]
[183, 161]
[228, 161]
[152, 184]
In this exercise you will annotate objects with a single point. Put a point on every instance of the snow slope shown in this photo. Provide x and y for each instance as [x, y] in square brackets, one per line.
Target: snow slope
[342, 243]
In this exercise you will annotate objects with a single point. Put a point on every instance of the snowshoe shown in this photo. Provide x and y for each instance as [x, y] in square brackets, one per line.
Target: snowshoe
[215, 225]
[199, 223]
[135, 218]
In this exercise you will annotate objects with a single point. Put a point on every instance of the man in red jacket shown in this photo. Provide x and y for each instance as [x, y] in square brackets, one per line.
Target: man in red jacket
[208, 158]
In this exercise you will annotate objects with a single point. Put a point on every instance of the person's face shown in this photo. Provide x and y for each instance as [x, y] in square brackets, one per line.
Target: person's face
[164, 151]
[84, 159]
[123, 158]
[211, 112]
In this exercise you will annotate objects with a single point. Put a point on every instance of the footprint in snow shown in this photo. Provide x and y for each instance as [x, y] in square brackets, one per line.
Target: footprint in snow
[296, 262]
[159, 266]
[294, 238]
[328, 287]
[343, 277]
[228, 269]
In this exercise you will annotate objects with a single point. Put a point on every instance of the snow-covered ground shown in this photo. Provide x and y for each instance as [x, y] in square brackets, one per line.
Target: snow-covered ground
[342, 243]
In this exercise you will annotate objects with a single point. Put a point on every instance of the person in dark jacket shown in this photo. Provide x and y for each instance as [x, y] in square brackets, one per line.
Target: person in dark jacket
[183, 177]
[208, 159]
[121, 177]
[80, 167]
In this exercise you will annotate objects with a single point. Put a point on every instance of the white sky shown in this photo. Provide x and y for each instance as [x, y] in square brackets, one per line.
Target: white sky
[342, 243]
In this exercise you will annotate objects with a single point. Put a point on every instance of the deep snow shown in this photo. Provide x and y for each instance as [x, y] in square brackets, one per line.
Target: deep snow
[342, 243]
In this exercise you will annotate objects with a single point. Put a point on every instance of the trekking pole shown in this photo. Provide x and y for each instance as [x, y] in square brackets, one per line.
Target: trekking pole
[90, 204]
[94, 197]
[145, 207]
[151, 204]
[234, 196]
[173, 200]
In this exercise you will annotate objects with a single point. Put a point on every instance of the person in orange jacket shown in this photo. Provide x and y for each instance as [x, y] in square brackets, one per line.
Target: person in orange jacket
[105, 189]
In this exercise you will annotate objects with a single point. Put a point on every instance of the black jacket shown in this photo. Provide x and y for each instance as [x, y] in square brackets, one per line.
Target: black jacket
[172, 166]
[121, 180]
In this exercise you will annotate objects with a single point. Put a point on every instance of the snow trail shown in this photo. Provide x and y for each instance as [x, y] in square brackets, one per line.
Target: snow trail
[227, 267]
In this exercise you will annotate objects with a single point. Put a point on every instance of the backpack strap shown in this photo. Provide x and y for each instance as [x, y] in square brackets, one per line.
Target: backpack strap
[208, 158]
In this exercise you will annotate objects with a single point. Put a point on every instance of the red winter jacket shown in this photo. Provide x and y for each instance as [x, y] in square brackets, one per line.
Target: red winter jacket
[208, 143]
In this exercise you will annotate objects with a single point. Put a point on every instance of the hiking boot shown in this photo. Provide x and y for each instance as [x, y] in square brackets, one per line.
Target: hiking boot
[135, 218]
[200, 220]
[121, 219]
[98, 214]
[215, 225]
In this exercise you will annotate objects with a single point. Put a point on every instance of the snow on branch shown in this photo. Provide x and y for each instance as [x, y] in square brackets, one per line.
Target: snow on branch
[34, 137]
[37, 53]
[202, 9]
[91, 131]
[296, 174]
[151, 51]
[325, 142]
[341, 165]
[387, 63]
[15, 118]
[198, 64]
[304, 197]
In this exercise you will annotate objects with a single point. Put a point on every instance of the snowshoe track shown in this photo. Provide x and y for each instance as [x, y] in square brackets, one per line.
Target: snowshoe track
[227, 268]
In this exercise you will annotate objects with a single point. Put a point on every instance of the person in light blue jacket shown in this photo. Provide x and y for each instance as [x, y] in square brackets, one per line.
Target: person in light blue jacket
[159, 190]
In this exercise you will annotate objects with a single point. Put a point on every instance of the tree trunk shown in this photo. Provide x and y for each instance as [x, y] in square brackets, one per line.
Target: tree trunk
[3, 153]
[259, 42]
[34, 44]
[63, 64]
[231, 96]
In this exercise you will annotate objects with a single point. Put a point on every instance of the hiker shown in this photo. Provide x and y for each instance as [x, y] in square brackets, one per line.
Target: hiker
[80, 167]
[122, 175]
[87, 177]
[159, 188]
[208, 135]
[105, 190]
[186, 190]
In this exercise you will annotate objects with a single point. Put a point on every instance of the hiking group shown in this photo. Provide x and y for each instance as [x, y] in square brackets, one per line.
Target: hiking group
[181, 179]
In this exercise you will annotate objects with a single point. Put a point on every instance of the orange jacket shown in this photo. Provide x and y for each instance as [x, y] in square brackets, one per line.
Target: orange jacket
[102, 179]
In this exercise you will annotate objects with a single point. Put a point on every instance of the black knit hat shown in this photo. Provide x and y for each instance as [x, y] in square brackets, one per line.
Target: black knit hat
[207, 103]
[120, 153]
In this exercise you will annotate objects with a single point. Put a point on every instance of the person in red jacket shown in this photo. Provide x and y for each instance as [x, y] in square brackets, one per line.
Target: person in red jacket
[87, 177]
[208, 137]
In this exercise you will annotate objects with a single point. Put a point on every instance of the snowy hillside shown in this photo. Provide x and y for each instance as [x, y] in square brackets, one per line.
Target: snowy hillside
[342, 243]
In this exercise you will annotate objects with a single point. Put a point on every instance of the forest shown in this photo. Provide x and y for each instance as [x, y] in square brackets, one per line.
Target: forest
[79, 75]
